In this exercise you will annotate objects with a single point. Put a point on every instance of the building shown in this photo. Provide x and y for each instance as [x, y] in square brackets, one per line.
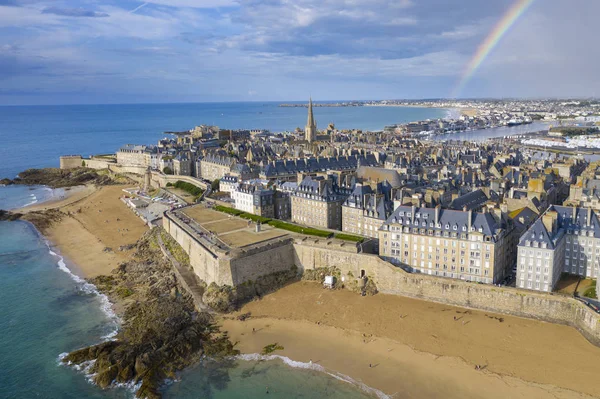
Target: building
[133, 155]
[310, 131]
[288, 169]
[364, 211]
[215, 166]
[182, 165]
[255, 199]
[562, 240]
[228, 184]
[316, 202]
[458, 244]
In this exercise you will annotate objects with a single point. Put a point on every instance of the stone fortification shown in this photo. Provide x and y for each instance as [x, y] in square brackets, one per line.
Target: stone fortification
[393, 280]
[235, 267]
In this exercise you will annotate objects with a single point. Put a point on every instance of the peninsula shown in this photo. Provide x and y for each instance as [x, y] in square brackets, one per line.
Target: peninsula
[357, 253]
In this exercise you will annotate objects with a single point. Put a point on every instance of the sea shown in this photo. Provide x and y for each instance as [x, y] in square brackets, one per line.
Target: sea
[48, 310]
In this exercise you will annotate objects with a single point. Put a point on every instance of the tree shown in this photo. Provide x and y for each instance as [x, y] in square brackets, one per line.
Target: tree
[83, 164]
[167, 170]
[215, 185]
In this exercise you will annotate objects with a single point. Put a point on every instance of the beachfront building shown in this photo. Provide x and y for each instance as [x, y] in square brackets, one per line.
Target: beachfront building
[317, 202]
[563, 240]
[133, 155]
[458, 244]
[365, 211]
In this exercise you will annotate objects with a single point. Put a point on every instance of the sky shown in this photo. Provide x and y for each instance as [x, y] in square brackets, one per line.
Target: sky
[134, 51]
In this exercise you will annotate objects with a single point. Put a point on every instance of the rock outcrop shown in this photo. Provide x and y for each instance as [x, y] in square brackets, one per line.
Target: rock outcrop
[161, 334]
[55, 178]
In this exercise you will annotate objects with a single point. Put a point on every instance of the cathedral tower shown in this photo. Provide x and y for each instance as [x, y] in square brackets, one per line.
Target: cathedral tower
[310, 131]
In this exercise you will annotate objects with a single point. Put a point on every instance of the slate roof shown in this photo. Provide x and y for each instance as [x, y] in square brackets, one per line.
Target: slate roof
[449, 220]
[569, 219]
[473, 200]
[293, 166]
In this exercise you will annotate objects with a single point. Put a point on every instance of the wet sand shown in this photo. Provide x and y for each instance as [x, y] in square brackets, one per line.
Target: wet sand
[71, 195]
[421, 349]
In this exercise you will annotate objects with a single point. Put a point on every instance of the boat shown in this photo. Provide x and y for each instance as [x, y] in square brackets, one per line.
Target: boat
[514, 122]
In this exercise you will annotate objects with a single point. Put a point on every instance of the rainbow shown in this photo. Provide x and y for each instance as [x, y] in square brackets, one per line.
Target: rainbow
[491, 41]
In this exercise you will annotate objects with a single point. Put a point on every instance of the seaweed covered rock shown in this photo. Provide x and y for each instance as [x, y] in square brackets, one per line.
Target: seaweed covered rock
[161, 333]
[43, 220]
[55, 177]
[220, 298]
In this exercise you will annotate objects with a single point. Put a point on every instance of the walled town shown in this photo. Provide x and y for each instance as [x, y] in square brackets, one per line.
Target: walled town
[502, 224]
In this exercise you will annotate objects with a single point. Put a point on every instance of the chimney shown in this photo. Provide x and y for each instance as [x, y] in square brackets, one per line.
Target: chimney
[412, 213]
[437, 214]
[589, 217]
[469, 220]
[549, 219]
[574, 213]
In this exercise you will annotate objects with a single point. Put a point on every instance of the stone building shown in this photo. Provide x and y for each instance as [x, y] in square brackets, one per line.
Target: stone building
[133, 155]
[458, 244]
[317, 202]
[228, 184]
[562, 240]
[365, 211]
[215, 166]
[182, 165]
[255, 199]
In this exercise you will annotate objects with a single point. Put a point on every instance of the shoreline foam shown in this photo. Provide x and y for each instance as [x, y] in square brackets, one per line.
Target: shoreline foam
[105, 304]
[256, 357]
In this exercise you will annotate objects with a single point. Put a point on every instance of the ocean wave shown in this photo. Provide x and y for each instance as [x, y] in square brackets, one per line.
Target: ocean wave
[90, 289]
[34, 200]
[315, 367]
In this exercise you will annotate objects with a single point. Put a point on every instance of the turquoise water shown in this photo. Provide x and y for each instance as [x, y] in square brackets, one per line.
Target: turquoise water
[46, 311]
[17, 196]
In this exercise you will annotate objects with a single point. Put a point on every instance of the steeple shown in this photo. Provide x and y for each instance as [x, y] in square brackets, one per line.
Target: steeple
[310, 131]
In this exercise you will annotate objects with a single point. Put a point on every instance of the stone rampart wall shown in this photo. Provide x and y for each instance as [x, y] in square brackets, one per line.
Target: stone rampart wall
[393, 280]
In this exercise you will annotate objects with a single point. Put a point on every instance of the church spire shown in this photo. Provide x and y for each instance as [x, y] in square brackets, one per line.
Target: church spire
[310, 131]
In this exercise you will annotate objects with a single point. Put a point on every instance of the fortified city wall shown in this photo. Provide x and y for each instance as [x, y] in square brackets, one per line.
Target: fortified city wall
[393, 280]
[230, 267]
[235, 267]
[158, 179]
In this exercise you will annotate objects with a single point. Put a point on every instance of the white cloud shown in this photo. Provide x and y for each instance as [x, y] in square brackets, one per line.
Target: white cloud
[195, 3]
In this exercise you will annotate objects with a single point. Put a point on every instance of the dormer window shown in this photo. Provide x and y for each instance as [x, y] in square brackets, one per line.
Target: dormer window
[455, 227]
[464, 228]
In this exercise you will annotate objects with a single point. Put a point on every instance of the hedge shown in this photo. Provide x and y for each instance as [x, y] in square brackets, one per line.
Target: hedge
[273, 222]
[349, 237]
[189, 188]
[299, 229]
[288, 226]
[242, 214]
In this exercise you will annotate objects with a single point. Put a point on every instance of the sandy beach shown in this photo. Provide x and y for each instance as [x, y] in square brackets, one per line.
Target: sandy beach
[71, 195]
[397, 345]
[98, 224]
[421, 349]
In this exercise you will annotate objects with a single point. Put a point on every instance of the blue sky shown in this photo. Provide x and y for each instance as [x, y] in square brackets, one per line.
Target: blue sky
[95, 51]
